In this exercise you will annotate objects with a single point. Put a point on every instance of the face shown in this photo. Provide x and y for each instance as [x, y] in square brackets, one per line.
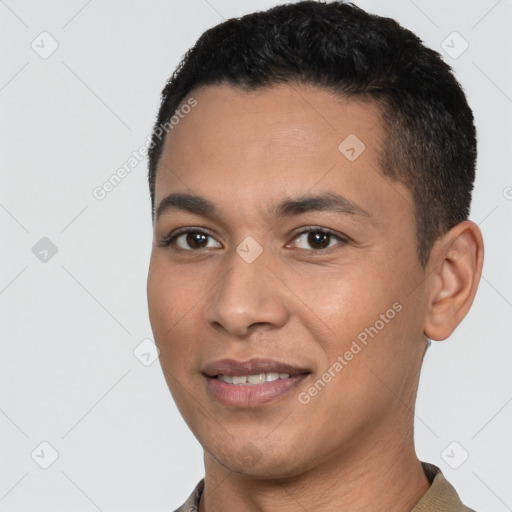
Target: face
[297, 257]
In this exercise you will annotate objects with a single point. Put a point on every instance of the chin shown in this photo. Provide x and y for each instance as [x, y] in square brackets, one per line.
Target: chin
[259, 462]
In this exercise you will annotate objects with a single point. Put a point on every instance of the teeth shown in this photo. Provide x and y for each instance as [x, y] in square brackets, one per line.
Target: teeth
[252, 380]
[255, 379]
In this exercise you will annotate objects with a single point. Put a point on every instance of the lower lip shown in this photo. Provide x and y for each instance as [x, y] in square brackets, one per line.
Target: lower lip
[247, 396]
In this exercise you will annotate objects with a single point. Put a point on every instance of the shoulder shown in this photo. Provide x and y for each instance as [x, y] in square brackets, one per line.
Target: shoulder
[192, 503]
[441, 496]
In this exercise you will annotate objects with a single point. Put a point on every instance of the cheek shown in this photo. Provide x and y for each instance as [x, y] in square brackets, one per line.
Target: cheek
[170, 296]
[365, 315]
[174, 302]
[159, 301]
[172, 329]
[380, 343]
[342, 302]
[167, 308]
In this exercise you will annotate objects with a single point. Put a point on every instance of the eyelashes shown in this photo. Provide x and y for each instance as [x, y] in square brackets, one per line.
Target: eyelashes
[170, 239]
[194, 238]
[325, 233]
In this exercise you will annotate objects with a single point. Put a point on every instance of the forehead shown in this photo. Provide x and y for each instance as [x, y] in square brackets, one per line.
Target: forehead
[289, 121]
[274, 141]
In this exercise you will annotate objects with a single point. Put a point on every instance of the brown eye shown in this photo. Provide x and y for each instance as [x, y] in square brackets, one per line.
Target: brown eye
[318, 239]
[190, 240]
[196, 240]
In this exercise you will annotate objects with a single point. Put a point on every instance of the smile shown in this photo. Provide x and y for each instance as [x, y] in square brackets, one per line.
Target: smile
[251, 383]
[252, 380]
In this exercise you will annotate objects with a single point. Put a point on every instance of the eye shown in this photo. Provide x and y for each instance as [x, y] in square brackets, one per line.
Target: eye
[188, 240]
[318, 239]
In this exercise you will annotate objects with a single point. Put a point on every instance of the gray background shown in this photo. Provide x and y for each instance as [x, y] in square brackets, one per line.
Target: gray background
[70, 322]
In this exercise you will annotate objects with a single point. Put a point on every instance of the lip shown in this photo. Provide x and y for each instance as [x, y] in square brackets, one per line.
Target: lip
[251, 367]
[248, 396]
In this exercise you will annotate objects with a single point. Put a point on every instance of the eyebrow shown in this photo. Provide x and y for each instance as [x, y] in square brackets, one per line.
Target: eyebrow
[327, 202]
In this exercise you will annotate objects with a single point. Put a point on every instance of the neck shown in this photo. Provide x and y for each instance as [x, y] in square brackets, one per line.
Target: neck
[388, 473]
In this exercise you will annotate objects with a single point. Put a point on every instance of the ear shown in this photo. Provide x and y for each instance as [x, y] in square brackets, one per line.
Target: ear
[455, 267]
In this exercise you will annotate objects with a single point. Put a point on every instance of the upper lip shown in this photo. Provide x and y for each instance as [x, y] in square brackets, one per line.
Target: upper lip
[251, 367]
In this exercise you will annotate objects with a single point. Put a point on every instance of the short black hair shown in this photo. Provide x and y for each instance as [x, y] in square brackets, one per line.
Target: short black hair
[430, 143]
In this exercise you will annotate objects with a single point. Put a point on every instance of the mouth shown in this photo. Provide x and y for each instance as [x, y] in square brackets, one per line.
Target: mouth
[246, 384]
[252, 380]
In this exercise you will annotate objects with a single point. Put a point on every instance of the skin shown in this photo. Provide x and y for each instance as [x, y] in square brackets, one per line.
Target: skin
[351, 446]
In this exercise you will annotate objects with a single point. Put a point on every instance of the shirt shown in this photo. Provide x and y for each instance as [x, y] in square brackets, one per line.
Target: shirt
[440, 497]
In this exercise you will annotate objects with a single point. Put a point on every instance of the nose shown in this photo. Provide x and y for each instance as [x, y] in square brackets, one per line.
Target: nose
[248, 295]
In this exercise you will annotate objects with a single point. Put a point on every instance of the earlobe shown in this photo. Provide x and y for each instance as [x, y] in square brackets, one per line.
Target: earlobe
[457, 266]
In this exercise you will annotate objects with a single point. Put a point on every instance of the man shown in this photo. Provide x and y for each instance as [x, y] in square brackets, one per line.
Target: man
[311, 171]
